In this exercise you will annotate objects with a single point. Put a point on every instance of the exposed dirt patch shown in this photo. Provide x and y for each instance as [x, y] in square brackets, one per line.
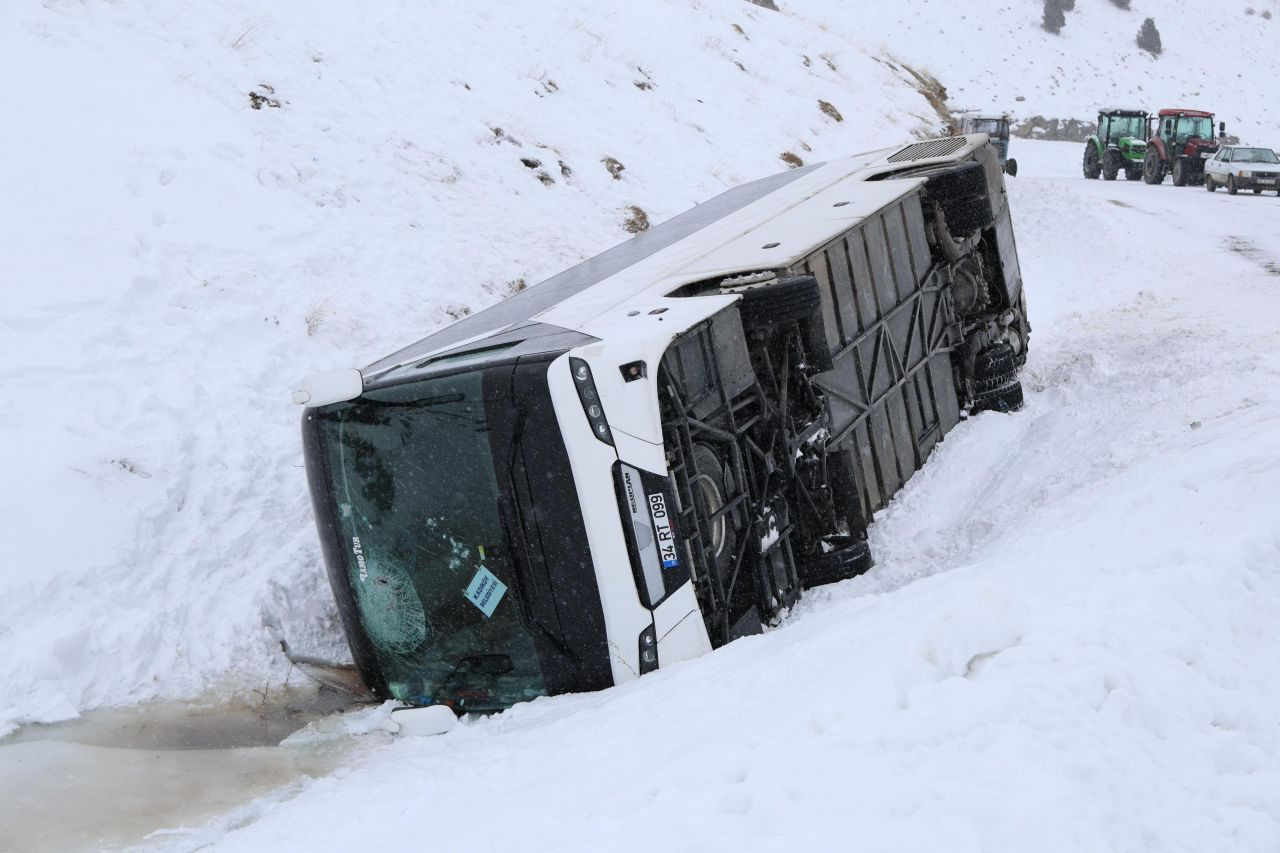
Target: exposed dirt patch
[1246, 248]
[934, 93]
[829, 110]
[615, 168]
[636, 222]
[258, 100]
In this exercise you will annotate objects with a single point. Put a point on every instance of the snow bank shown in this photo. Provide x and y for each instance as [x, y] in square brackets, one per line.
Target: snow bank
[1068, 643]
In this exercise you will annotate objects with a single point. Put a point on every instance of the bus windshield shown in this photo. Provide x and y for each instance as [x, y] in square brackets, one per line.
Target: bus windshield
[429, 563]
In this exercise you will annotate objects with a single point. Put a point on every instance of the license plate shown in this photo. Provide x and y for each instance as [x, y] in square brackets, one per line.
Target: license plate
[1267, 181]
[662, 530]
[1204, 155]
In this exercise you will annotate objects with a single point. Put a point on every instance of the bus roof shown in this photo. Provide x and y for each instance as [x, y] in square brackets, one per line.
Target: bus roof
[769, 223]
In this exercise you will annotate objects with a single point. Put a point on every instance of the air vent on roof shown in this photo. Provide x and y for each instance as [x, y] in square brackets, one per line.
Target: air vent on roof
[932, 148]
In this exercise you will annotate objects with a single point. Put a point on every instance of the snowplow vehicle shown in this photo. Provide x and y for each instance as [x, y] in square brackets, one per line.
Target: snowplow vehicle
[1119, 145]
[656, 451]
[1181, 141]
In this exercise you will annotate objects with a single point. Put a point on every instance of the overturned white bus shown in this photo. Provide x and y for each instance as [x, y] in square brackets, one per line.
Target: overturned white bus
[655, 452]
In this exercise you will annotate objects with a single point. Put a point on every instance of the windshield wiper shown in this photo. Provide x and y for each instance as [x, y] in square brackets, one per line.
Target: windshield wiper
[521, 560]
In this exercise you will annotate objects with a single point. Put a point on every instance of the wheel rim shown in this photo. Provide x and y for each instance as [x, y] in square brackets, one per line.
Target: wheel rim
[714, 501]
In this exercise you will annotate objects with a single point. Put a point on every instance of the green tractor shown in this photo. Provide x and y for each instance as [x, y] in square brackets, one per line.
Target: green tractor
[1118, 145]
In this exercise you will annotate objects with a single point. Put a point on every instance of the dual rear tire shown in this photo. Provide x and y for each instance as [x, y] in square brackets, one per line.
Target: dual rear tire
[960, 189]
[995, 380]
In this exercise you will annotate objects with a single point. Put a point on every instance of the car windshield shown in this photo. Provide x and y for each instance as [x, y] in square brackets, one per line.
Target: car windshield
[1254, 155]
[1121, 126]
[428, 560]
[1188, 127]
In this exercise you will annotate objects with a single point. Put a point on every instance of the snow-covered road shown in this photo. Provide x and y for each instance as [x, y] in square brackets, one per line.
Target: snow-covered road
[1069, 642]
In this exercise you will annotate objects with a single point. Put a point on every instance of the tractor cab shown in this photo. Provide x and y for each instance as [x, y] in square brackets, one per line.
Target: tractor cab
[996, 126]
[1115, 126]
[1180, 143]
[1118, 145]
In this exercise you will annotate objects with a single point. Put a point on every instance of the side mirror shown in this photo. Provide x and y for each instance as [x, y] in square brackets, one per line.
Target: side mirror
[423, 722]
[1222, 129]
[336, 386]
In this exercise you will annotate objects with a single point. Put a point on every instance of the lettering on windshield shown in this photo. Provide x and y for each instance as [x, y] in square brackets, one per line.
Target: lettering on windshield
[359, 554]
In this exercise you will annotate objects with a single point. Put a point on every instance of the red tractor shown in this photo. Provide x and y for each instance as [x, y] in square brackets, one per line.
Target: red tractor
[1181, 141]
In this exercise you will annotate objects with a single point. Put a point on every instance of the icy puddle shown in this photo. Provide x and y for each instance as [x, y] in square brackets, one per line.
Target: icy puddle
[112, 779]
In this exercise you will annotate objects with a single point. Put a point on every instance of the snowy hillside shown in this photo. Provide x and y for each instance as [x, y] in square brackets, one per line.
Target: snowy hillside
[996, 56]
[1068, 642]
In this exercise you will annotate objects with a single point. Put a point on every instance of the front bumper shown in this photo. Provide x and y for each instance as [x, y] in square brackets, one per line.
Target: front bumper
[1257, 182]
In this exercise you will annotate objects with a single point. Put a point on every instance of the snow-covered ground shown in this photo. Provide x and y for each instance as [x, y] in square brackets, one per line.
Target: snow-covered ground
[1068, 642]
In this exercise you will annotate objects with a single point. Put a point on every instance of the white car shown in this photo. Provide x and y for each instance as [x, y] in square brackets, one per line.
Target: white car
[1239, 168]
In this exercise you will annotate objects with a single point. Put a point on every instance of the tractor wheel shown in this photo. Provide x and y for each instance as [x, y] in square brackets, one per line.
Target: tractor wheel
[1153, 168]
[1132, 171]
[1231, 184]
[1208, 182]
[1110, 165]
[1092, 168]
[1179, 173]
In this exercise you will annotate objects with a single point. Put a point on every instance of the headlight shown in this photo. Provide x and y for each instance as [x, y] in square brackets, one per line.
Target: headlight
[590, 398]
[648, 651]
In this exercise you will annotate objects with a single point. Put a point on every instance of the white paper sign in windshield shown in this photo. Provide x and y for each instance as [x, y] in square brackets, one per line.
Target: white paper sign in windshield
[485, 591]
